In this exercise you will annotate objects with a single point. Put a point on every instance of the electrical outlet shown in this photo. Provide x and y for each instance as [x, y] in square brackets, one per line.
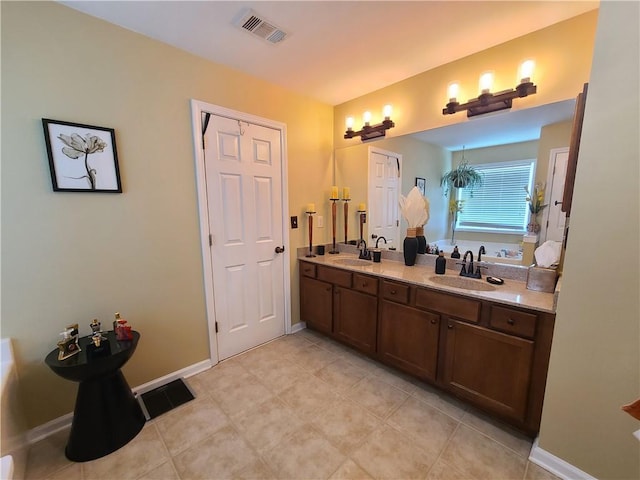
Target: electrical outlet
[320, 221]
[294, 222]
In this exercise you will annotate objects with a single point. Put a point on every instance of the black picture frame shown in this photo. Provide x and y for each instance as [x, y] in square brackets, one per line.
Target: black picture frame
[82, 158]
[421, 183]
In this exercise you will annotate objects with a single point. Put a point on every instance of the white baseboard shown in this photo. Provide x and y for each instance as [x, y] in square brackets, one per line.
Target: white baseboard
[45, 430]
[182, 373]
[556, 465]
[296, 327]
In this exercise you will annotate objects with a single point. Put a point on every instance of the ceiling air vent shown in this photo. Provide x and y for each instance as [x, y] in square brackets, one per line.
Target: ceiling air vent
[255, 24]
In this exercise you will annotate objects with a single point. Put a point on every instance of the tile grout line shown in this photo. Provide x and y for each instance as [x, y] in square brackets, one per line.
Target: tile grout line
[444, 448]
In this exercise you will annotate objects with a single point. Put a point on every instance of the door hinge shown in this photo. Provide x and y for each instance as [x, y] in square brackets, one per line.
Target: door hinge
[216, 327]
[210, 240]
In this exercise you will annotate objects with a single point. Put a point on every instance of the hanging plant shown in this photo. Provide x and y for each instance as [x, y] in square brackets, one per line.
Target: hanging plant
[464, 176]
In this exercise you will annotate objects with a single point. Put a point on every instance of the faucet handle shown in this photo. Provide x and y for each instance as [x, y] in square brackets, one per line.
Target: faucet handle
[478, 274]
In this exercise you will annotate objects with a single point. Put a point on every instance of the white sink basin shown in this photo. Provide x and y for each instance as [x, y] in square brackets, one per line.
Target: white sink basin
[464, 283]
[353, 262]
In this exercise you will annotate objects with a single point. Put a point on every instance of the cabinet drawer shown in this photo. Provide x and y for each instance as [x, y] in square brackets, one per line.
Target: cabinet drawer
[334, 275]
[308, 269]
[513, 321]
[455, 306]
[365, 284]
[396, 292]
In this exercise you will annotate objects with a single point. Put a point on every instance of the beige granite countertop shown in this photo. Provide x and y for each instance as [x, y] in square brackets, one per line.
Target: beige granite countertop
[512, 292]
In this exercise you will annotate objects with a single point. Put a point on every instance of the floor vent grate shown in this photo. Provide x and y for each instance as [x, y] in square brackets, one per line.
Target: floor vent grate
[165, 398]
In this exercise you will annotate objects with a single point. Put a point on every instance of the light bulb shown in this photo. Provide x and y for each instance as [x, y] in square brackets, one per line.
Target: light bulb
[453, 90]
[349, 123]
[366, 117]
[386, 111]
[486, 82]
[526, 71]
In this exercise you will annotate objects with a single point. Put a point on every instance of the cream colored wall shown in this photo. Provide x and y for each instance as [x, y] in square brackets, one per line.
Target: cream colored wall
[556, 135]
[428, 161]
[70, 257]
[419, 159]
[562, 53]
[595, 361]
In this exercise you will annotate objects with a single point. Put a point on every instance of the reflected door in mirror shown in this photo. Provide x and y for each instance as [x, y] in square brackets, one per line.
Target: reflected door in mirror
[384, 188]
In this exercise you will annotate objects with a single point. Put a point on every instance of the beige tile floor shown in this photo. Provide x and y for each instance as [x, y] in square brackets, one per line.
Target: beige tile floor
[305, 407]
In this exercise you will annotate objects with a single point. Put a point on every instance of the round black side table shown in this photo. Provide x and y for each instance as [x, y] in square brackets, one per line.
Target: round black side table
[107, 415]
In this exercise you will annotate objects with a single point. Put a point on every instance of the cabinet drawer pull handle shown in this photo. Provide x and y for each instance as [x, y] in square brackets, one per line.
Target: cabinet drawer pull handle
[329, 289]
[450, 326]
[393, 292]
[511, 321]
[433, 321]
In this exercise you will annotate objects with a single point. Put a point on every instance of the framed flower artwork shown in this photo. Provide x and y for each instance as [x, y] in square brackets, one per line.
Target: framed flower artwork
[82, 158]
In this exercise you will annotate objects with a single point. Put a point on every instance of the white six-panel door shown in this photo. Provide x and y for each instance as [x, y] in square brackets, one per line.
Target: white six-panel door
[243, 183]
[555, 218]
[384, 188]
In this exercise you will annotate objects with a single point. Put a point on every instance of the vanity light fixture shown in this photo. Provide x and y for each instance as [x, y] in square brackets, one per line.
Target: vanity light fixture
[368, 131]
[491, 102]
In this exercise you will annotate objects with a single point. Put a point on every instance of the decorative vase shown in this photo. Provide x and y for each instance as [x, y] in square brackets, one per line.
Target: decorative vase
[533, 227]
[422, 242]
[410, 247]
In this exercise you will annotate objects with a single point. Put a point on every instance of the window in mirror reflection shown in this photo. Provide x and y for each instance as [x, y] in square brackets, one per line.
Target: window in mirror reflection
[499, 205]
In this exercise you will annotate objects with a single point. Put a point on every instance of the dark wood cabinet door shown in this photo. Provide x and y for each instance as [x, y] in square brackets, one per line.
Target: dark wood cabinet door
[355, 318]
[490, 368]
[316, 300]
[408, 339]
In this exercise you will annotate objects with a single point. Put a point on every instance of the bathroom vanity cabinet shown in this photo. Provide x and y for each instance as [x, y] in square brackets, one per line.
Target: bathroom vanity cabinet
[493, 356]
[341, 304]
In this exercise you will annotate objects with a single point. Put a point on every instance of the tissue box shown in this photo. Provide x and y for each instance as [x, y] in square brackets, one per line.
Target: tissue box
[542, 279]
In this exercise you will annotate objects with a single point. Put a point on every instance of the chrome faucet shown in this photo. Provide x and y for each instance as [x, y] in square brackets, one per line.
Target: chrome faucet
[381, 238]
[364, 253]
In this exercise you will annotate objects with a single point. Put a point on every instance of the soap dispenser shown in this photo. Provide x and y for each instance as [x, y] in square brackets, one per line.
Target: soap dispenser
[455, 253]
[441, 264]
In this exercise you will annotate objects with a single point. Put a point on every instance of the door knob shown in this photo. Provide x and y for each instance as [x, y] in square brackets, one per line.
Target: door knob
[556, 203]
[280, 249]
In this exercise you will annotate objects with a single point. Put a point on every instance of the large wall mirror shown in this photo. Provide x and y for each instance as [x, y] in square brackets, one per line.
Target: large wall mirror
[539, 134]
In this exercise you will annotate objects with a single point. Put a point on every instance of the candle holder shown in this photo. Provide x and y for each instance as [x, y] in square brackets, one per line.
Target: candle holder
[334, 208]
[310, 216]
[363, 219]
[346, 218]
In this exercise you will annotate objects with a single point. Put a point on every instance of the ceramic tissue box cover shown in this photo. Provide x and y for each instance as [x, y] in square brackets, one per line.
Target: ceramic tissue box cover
[542, 279]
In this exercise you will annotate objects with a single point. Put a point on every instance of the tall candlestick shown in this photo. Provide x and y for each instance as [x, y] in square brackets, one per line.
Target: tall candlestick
[310, 215]
[346, 219]
[363, 219]
[333, 221]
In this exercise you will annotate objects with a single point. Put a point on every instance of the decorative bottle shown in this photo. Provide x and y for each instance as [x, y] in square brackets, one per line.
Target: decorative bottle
[441, 264]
